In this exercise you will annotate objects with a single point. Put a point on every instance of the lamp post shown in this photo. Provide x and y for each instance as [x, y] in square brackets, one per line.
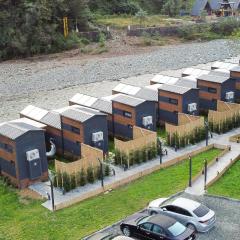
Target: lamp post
[205, 174]
[51, 177]
[160, 149]
[190, 171]
[101, 171]
[206, 131]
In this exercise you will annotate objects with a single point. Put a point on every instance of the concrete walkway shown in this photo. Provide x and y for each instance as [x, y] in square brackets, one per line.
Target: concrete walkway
[197, 188]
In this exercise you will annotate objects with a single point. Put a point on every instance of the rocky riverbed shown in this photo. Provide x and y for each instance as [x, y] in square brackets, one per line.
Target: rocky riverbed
[50, 83]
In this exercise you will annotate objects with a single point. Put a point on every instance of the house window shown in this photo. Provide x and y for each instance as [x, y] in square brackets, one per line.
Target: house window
[75, 130]
[173, 101]
[127, 114]
[6, 147]
[212, 90]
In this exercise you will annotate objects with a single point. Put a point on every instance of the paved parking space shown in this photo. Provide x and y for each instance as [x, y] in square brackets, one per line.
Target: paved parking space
[227, 212]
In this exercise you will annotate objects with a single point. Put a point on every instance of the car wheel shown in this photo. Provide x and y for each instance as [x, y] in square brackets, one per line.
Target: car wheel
[126, 232]
[192, 227]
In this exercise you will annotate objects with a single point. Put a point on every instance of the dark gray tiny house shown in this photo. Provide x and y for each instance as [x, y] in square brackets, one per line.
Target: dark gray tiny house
[23, 153]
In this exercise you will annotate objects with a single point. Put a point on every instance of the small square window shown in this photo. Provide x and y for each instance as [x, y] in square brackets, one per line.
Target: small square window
[75, 130]
[173, 101]
[127, 114]
[212, 90]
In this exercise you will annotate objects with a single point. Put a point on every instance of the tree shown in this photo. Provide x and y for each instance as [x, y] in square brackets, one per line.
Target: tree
[171, 8]
[141, 15]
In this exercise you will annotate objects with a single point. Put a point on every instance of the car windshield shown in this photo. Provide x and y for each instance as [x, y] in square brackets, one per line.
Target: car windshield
[143, 220]
[176, 229]
[201, 211]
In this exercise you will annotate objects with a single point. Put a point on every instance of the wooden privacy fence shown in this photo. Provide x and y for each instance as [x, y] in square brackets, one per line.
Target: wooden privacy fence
[136, 176]
[89, 158]
[141, 138]
[187, 125]
[226, 117]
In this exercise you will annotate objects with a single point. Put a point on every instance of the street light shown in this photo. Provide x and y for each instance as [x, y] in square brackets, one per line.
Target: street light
[101, 171]
[207, 131]
[51, 177]
[205, 174]
[190, 171]
[160, 149]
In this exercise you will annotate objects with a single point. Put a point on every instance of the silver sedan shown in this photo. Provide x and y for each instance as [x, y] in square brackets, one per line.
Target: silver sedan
[192, 214]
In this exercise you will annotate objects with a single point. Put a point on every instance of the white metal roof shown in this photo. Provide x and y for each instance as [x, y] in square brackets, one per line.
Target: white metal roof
[154, 86]
[223, 65]
[111, 97]
[29, 122]
[190, 78]
[196, 72]
[83, 99]
[221, 70]
[34, 112]
[127, 89]
[186, 204]
[162, 79]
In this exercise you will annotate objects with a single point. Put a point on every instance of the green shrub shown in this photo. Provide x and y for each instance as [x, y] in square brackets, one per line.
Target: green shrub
[66, 182]
[90, 175]
[107, 170]
[82, 177]
[73, 181]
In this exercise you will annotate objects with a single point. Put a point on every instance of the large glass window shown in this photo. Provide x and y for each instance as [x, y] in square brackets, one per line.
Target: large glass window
[212, 90]
[173, 101]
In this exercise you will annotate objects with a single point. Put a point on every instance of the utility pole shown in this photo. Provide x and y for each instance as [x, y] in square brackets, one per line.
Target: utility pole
[190, 171]
[205, 174]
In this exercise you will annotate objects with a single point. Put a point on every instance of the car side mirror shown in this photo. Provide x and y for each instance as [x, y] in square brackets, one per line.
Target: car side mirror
[164, 209]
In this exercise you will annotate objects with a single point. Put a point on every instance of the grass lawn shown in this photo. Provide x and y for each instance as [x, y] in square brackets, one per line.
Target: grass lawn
[122, 21]
[27, 219]
[228, 185]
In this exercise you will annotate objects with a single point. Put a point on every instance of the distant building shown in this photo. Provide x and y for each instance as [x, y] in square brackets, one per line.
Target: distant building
[200, 6]
[23, 152]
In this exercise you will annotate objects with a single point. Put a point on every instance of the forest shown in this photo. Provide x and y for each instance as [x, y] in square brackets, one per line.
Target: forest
[32, 27]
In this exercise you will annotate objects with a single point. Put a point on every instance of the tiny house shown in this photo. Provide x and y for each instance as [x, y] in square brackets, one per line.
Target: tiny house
[23, 152]
[174, 99]
[163, 79]
[83, 125]
[130, 111]
[51, 119]
[149, 93]
[213, 88]
[223, 65]
[102, 105]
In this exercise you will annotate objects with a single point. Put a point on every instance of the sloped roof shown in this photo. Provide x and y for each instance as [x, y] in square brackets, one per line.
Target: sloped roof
[194, 72]
[14, 130]
[216, 4]
[223, 65]
[175, 88]
[128, 100]
[49, 118]
[213, 78]
[102, 105]
[198, 7]
[164, 79]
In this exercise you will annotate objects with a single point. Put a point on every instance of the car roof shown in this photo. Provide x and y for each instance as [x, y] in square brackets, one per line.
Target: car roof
[162, 220]
[185, 203]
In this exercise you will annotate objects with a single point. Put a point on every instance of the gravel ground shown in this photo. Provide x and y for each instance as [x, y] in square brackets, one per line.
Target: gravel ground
[227, 213]
[50, 83]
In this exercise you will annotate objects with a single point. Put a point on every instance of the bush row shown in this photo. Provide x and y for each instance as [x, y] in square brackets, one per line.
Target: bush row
[196, 136]
[135, 157]
[226, 125]
[68, 182]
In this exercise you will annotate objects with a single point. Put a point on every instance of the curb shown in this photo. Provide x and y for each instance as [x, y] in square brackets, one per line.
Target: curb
[222, 197]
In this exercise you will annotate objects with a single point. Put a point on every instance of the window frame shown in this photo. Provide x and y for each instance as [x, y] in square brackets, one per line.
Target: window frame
[75, 130]
[173, 101]
[127, 114]
[212, 90]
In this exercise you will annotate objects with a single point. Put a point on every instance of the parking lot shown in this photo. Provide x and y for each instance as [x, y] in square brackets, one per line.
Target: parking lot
[227, 212]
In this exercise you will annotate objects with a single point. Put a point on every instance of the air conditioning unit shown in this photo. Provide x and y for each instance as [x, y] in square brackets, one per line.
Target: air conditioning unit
[98, 136]
[192, 107]
[32, 155]
[147, 121]
[229, 95]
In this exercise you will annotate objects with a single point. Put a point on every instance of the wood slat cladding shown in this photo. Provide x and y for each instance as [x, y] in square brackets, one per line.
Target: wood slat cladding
[53, 131]
[13, 180]
[121, 118]
[9, 156]
[168, 106]
[238, 85]
[234, 74]
[71, 135]
[209, 95]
